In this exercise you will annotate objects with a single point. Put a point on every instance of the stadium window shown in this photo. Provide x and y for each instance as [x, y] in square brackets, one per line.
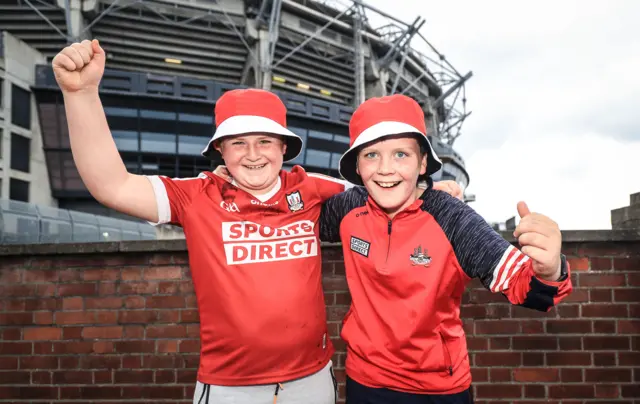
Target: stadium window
[341, 139]
[18, 190]
[1, 141]
[20, 152]
[151, 114]
[1, 93]
[158, 142]
[191, 145]
[126, 140]
[20, 107]
[196, 118]
[320, 135]
[335, 160]
[317, 158]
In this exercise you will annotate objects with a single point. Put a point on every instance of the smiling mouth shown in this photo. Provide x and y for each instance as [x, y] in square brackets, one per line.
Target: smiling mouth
[387, 184]
[258, 167]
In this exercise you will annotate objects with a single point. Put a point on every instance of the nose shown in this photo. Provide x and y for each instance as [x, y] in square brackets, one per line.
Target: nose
[253, 152]
[385, 166]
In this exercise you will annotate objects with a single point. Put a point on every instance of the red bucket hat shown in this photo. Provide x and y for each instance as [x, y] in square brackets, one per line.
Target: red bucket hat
[252, 110]
[380, 117]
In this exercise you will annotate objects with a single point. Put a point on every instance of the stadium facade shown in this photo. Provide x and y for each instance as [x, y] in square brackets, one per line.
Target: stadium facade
[169, 61]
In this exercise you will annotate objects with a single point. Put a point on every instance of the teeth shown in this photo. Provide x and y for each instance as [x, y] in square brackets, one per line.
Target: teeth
[256, 167]
[388, 184]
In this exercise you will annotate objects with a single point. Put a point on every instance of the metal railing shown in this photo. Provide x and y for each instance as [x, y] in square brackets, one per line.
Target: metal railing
[26, 223]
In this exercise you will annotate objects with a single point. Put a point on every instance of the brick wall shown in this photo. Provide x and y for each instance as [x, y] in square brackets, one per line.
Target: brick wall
[117, 323]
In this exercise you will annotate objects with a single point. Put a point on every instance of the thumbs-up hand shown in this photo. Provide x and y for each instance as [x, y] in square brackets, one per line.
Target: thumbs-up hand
[79, 66]
[541, 240]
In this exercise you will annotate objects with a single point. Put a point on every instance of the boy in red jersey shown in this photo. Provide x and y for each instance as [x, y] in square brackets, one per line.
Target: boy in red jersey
[253, 245]
[409, 254]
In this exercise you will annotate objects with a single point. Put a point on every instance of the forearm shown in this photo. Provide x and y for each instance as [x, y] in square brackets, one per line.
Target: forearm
[94, 151]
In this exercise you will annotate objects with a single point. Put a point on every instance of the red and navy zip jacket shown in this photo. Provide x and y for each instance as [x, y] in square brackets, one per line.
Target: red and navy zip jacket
[407, 276]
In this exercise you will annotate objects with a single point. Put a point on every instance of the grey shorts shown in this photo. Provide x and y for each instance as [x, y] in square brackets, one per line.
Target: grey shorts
[318, 388]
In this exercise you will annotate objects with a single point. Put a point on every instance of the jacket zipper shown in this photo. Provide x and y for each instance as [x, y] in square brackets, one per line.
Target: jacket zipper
[389, 244]
[448, 364]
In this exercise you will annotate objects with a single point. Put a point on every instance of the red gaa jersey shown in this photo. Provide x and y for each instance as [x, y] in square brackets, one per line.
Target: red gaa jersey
[256, 267]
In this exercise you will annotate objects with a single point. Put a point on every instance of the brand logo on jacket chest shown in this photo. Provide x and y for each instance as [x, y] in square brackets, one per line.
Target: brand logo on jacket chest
[295, 202]
[420, 257]
[360, 246]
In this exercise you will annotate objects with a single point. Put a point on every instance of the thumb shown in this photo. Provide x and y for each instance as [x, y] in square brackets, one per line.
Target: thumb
[98, 52]
[523, 209]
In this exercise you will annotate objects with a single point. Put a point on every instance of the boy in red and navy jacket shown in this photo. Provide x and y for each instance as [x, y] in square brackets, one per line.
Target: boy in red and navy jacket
[409, 254]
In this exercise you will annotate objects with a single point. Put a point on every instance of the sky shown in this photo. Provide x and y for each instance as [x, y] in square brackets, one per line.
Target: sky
[555, 101]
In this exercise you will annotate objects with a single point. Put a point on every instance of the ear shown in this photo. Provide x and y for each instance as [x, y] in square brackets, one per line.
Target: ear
[218, 145]
[357, 168]
[284, 147]
[423, 164]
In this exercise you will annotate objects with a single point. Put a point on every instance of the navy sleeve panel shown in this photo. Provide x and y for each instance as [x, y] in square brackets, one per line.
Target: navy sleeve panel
[483, 253]
[336, 208]
[476, 245]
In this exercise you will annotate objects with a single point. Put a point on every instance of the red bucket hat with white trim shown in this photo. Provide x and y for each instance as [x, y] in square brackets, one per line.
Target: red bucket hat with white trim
[252, 110]
[385, 116]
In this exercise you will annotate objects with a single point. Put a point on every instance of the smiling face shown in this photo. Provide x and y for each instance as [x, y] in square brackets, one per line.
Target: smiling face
[253, 160]
[389, 169]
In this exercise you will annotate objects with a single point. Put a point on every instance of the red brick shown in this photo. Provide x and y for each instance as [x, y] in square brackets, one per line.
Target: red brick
[166, 346]
[102, 332]
[607, 375]
[532, 358]
[633, 279]
[106, 317]
[102, 274]
[38, 362]
[498, 359]
[578, 295]
[133, 376]
[568, 326]
[343, 299]
[605, 358]
[40, 276]
[606, 343]
[500, 375]
[77, 289]
[523, 312]
[632, 391]
[500, 343]
[16, 319]
[623, 264]
[103, 376]
[73, 303]
[165, 376]
[97, 303]
[480, 375]
[601, 263]
[72, 377]
[168, 316]
[524, 343]
[8, 362]
[42, 348]
[107, 288]
[166, 331]
[168, 288]
[634, 311]
[604, 310]
[138, 316]
[477, 343]
[156, 273]
[15, 377]
[600, 295]
[532, 327]
[75, 347]
[482, 296]
[74, 317]
[626, 295]
[134, 332]
[569, 311]
[601, 280]
[607, 391]
[568, 359]
[15, 348]
[629, 326]
[103, 347]
[334, 283]
[138, 288]
[135, 346]
[630, 359]
[336, 313]
[72, 333]
[569, 391]
[189, 316]
[28, 392]
[570, 343]
[189, 346]
[534, 391]
[492, 327]
[42, 333]
[134, 302]
[536, 375]
[499, 391]
[165, 302]
[578, 264]
[8, 276]
[604, 327]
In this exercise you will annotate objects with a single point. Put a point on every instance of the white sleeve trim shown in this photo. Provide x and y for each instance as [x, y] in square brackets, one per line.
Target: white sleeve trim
[162, 200]
[346, 184]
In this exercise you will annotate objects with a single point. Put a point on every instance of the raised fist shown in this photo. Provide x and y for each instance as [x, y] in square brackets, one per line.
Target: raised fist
[79, 66]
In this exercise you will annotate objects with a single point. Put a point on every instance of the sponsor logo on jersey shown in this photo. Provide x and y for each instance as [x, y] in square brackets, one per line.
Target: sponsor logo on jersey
[295, 202]
[420, 257]
[248, 242]
[254, 202]
[360, 246]
[229, 206]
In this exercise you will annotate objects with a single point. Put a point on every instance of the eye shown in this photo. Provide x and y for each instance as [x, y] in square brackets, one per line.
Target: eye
[370, 155]
[401, 154]
[237, 142]
[265, 141]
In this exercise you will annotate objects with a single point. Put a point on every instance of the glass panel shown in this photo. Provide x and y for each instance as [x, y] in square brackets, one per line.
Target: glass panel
[195, 118]
[118, 111]
[335, 160]
[341, 139]
[191, 145]
[320, 135]
[158, 142]
[20, 107]
[147, 113]
[318, 158]
[126, 140]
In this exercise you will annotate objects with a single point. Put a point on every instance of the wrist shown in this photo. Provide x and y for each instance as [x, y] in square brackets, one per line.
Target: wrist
[88, 92]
